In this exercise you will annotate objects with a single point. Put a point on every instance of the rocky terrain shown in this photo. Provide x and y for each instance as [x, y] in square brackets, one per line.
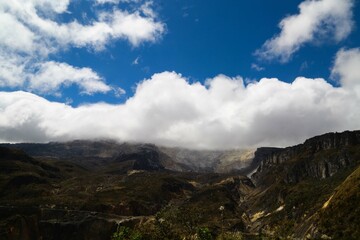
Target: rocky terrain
[296, 188]
[108, 190]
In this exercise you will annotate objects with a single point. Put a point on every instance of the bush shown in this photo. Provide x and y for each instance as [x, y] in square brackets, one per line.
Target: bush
[204, 234]
[125, 233]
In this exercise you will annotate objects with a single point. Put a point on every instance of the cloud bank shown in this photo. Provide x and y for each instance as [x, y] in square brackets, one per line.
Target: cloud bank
[222, 113]
[32, 32]
[316, 21]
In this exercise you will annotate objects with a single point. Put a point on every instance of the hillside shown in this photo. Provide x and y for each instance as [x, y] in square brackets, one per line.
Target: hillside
[293, 185]
[36, 204]
[93, 190]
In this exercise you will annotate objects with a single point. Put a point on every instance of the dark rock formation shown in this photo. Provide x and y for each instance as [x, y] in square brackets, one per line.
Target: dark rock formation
[333, 140]
[295, 184]
[318, 157]
[261, 154]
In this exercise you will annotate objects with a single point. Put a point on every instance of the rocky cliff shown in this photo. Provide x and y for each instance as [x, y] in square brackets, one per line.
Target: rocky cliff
[295, 183]
[318, 157]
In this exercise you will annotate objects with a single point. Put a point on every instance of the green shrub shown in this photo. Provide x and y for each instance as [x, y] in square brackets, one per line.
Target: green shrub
[125, 233]
[204, 234]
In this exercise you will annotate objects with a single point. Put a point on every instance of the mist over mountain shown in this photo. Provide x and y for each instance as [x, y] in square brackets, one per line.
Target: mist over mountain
[95, 153]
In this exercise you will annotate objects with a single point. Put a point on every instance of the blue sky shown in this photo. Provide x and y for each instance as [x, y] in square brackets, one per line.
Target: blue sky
[110, 54]
[203, 40]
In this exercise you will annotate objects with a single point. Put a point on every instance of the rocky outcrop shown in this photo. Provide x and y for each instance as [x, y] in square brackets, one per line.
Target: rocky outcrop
[260, 155]
[318, 157]
[293, 184]
[333, 141]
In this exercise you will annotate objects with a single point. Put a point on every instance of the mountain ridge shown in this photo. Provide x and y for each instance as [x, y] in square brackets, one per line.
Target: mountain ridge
[90, 153]
[294, 193]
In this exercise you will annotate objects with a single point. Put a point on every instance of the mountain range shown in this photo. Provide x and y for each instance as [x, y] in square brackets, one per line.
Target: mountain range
[102, 189]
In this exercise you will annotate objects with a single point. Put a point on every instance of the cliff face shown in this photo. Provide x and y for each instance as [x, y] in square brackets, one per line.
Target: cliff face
[318, 157]
[295, 183]
[333, 140]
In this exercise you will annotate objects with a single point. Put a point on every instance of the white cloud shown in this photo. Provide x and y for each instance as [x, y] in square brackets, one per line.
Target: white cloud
[115, 1]
[317, 20]
[136, 61]
[347, 67]
[62, 74]
[107, 1]
[222, 113]
[112, 24]
[257, 67]
[48, 77]
[11, 69]
[31, 32]
[118, 91]
[14, 35]
[134, 27]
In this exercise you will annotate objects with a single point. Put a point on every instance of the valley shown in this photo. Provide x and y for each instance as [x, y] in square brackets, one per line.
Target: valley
[104, 189]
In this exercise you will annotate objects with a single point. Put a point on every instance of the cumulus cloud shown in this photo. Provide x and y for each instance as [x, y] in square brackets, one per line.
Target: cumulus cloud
[12, 69]
[346, 67]
[48, 77]
[63, 74]
[316, 21]
[222, 113]
[31, 34]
